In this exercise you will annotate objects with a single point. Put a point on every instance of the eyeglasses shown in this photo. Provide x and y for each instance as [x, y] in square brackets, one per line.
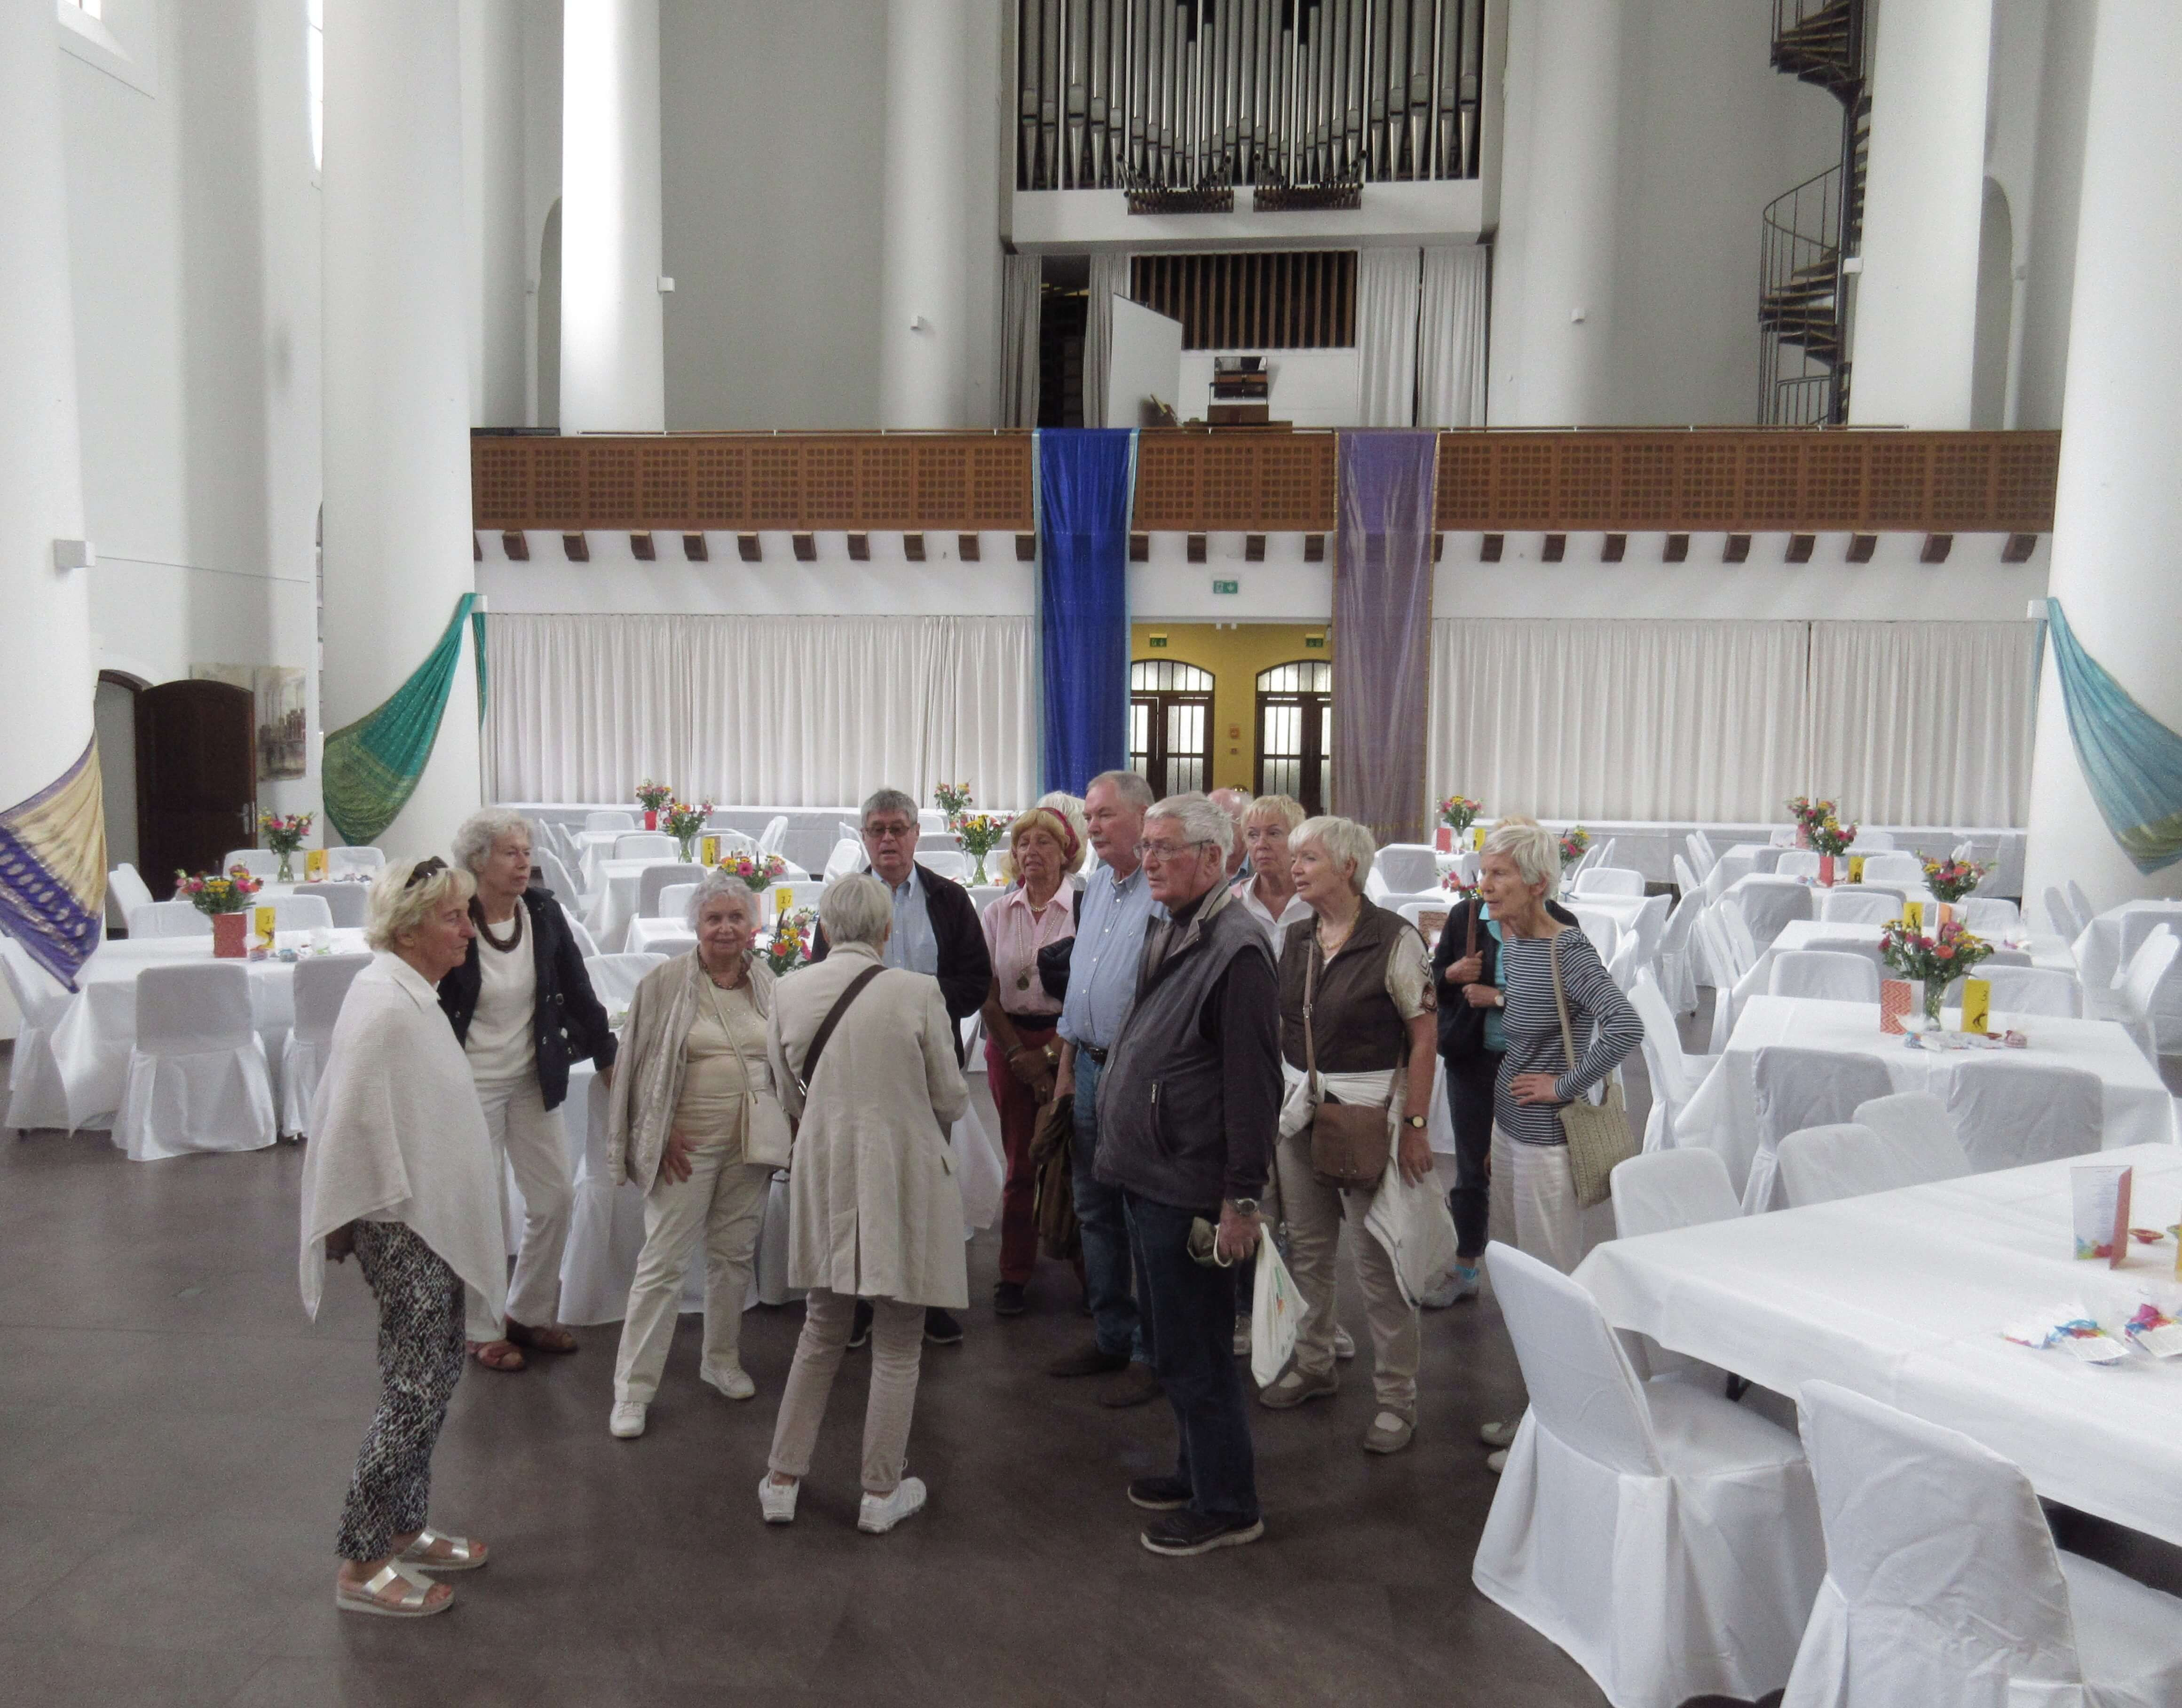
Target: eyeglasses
[430, 866]
[893, 832]
[1167, 851]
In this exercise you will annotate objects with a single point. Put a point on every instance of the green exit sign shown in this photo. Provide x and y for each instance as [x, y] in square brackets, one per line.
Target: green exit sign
[1219, 587]
[1313, 643]
[1156, 640]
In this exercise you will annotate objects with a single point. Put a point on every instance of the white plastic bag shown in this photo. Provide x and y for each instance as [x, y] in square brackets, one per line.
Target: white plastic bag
[1412, 1224]
[980, 1170]
[1275, 1314]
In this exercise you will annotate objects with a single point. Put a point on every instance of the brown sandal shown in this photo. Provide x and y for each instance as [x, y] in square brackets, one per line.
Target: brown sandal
[551, 1338]
[496, 1355]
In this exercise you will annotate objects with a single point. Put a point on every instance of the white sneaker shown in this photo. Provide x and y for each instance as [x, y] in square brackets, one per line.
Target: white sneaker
[1461, 1284]
[1344, 1347]
[627, 1423]
[1497, 1462]
[732, 1382]
[1497, 1434]
[776, 1501]
[880, 1513]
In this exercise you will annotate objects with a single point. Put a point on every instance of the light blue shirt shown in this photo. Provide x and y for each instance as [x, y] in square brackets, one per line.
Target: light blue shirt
[1102, 967]
[911, 945]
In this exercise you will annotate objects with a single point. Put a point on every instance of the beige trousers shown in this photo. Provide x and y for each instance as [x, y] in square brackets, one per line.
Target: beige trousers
[527, 1139]
[1315, 1213]
[1533, 1202]
[897, 1346]
[724, 1197]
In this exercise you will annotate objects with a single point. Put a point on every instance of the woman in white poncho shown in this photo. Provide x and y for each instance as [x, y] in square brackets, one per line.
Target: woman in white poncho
[400, 1171]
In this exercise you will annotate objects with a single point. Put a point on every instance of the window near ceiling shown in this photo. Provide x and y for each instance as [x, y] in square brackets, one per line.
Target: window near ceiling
[1170, 725]
[314, 49]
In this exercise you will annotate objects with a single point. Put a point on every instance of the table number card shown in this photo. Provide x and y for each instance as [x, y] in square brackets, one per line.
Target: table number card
[1977, 1005]
[261, 921]
[784, 900]
[1913, 915]
[1856, 868]
[1896, 997]
[314, 865]
[709, 850]
[1477, 837]
[2101, 1192]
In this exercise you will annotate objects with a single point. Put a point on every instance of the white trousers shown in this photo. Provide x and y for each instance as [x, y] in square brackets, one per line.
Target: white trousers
[1533, 1204]
[529, 1139]
[725, 1198]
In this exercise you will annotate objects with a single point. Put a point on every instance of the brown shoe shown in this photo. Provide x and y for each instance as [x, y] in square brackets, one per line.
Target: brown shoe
[1296, 1387]
[1087, 1361]
[1134, 1386]
[549, 1338]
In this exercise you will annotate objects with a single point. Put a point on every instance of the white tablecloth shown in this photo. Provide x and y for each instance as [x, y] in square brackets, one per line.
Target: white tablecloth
[94, 1036]
[614, 901]
[2046, 949]
[1901, 1295]
[656, 937]
[1723, 1115]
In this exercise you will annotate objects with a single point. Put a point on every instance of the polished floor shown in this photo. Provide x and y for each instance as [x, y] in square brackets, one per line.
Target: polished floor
[175, 1438]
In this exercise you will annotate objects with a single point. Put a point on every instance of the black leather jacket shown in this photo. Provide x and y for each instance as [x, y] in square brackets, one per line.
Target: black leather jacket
[570, 1022]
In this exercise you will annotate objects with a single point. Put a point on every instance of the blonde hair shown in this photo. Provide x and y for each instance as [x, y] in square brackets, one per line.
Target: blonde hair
[1285, 808]
[1054, 825]
[1535, 850]
[397, 907]
[1343, 840]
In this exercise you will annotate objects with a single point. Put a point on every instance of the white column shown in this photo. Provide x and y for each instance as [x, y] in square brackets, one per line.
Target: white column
[1916, 302]
[1557, 214]
[613, 362]
[2120, 507]
[396, 362]
[493, 197]
[925, 329]
[46, 674]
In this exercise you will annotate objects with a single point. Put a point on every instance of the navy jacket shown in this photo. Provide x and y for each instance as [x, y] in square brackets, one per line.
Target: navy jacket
[570, 1022]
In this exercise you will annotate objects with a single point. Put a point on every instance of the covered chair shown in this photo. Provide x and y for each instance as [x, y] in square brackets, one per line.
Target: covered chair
[1667, 1539]
[197, 1077]
[674, 901]
[644, 845]
[948, 862]
[1857, 904]
[261, 863]
[1895, 869]
[2035, 990]
[169, 919]
[1824, 973]
[126, 889]
[1767, 904]
[38, 1095]
[345, 904]
[1608, 880]
[2062, 914]
[1990, 915]
[1677, 958]
[1675, 1076]
[301, 913]
[2009, 1113]
[774, 837]
[1664, 1189]
[654, 880]
[1798, 863]
[560, 879]
[2144, 986]
[848, 856]
[614, 978]
[1408, 868]
[1916, 1126]
[1798, 1088]
[360, 859]
[610, 818]
[1943, 1585]
[321, 986]
[1820, 1164]
[1871, 841]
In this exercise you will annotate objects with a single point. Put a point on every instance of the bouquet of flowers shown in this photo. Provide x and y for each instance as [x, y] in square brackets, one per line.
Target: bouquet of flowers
[682, 821]
[654, 796]
[1830, 836]
[216, 894]
[1454, 884]
[1809, 814]
[1575, 841]
[1459, 813]
[951, 798]
[1935, 959]
[1951, 879]
[790, 945]
[284, 835]
[980, 834]
[761, 872]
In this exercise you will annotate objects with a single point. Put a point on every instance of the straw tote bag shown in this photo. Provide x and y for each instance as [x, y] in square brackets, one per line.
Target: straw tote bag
[1597, 1133]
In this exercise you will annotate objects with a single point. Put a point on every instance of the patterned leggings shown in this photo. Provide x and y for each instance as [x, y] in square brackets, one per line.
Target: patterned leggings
[420, 1359]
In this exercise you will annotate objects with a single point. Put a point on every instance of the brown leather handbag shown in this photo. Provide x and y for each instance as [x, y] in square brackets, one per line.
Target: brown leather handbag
[1052, 1161]
[1349, 1142]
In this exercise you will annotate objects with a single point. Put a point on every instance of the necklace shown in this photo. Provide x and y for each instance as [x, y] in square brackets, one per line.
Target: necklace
[1331, 948]
[717, 984]
[514, 937]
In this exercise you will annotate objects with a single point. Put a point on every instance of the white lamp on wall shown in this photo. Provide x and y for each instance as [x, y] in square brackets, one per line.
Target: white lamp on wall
[73, 554]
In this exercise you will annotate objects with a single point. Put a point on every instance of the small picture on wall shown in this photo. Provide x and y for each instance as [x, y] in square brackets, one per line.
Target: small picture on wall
[281, 719]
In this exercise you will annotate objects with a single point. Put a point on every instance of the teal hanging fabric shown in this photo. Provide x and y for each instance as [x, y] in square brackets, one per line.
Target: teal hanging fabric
[372, 766]
[477, 651]
[2131, 760]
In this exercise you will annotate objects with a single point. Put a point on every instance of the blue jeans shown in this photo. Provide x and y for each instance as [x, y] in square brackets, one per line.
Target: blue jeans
[1105, 1231]
[1189, 1325]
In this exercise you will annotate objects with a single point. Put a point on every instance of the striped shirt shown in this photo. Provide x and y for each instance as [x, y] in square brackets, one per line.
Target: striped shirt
[1531, 1025]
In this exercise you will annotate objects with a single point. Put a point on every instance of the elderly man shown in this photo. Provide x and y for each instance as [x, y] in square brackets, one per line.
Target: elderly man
[1236, 804]
[936, 931]
[1102, 983]
[1190, 1096]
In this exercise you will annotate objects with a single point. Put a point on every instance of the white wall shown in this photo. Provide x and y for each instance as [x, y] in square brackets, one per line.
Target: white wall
[2046, 235]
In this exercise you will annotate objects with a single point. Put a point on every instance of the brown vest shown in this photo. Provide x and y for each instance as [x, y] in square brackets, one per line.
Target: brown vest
[1354, 1022]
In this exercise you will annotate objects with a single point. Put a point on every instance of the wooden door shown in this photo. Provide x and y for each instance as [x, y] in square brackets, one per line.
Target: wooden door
[1295, 732]
[197, 779]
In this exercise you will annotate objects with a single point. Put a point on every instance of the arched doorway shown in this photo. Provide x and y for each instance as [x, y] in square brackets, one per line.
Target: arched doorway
[1295, 732]
[1170, 724]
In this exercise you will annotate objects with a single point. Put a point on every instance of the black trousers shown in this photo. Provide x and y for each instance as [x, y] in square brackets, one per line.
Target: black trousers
[1469, 1081]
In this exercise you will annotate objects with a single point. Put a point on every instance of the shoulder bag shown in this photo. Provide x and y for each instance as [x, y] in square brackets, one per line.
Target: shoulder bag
[768, 1140]
[1349, 1142]
[826, 1028]
[1597, 1133]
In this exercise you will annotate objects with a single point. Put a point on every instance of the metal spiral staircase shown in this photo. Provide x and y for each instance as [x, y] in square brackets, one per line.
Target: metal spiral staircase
[1805, 295]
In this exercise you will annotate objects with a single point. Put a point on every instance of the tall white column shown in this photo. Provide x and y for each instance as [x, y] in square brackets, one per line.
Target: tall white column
[396, 363]
[613, 361]
[493, 198]
[2120, 507]
[1916, 302]
[46, 674]
[925, 324]
[1557, 214]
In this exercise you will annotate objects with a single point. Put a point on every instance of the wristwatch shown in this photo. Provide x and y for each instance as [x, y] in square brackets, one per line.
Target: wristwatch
[1246, 1206]
[1413, 1121]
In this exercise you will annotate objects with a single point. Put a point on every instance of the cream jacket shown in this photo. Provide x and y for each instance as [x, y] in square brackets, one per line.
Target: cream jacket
[651, 1066]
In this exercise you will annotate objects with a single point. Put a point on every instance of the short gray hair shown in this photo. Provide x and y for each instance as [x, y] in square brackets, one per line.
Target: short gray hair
[887, 801]
[397, 907]
[1131, 787]
[855, 909]
[1202, 819]
[711, 887]
[1343, 840]
[475, 842]
[1535, 850]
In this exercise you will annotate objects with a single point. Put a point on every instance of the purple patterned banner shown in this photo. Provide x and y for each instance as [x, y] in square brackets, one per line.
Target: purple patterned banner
[53, 870]
[1382, 589]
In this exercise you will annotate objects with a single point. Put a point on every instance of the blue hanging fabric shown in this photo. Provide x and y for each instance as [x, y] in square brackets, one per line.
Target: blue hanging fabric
[2132, 762]
[1086, 479]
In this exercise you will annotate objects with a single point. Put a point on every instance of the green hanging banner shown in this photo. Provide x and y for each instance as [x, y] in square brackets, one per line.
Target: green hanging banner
[372, 766]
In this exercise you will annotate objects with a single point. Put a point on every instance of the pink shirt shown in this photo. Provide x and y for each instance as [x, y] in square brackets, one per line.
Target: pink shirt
[1015, 935]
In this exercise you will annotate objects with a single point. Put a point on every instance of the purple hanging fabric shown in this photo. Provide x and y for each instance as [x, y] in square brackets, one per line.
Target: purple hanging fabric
[1382, 587]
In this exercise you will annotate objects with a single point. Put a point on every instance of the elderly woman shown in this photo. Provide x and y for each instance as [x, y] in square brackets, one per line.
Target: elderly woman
[1068, 808]
[1268, 893]
[864, 1057]
[1021, 1048]
[694, 1090]
[521, 1005]
[400, 1171]
[1357, 1005]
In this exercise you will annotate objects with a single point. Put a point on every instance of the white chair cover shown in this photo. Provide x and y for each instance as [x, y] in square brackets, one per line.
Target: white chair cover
[37, 1095]
[1664, 1189]
[1768, 904]
[1797, 862]
[948, 862]
[612, 818]
[169, 919]
[1609, 880]
[2081, 902]
[321, 984]
[301, 913]
[1916, 1128]
[361, 859]
[1797, 1089]
[1824, 973]
[1870, 842]
[2063, 917]
[1676, 958]
[2009, 1113]
[1702, 859]
[614, 978]
[197, 1076]
[262, 863]
[1855, 904]
[1603, 929]
[1943, 1585]
[774, 837]
[671, 944]
[806, 893]
[2139, 923]
[644, 845]
[1666, 1539]
[1628, 960]
[1990, 915]
[1374, 885]
[586, 946]
[1820, 1164]
[1740, 942]
[674, 901]
[347, 905]
[931, 818]
[1408, 868]
[127, 890]
[1685, 877]
[848, 856]
[1675, 1077]
[2033, 990]
[560, 877]
[1895, 869]
[653, 879]
[2149, 969]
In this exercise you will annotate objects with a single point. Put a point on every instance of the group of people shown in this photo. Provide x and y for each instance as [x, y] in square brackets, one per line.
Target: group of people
[1190, 979]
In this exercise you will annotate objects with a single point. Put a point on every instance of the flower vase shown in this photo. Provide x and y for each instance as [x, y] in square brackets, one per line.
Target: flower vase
[230, 936]
[977, 872]
[1826, 871]
[1935, 994]
[651, 818]
[1803, 835]
[287, 874]
[686, 847]
[1443, 838]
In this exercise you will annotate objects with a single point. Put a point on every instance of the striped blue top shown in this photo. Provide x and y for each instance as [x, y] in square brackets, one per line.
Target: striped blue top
[1532, 1028]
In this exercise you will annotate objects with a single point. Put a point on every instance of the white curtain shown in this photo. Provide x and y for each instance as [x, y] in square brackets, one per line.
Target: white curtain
[1386, 337]
[1109, 278]
[1924, 722]
[1451, 337]
[771, 711]
[1022, 278]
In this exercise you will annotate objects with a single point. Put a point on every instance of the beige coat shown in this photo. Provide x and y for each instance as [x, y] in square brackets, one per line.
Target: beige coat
[651, 1065]
[873, 1209]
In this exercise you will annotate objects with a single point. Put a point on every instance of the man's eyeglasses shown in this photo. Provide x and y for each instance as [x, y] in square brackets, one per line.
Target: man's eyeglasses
[893, 832]
[1167, 851]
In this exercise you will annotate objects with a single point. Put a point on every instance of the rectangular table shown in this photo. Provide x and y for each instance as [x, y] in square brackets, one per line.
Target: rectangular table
[2046, 949]
[1723, 1114]
[1901, 1295]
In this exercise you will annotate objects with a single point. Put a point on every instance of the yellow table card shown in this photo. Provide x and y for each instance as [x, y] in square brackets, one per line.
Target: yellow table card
[1856, 868]
[1913, 915]
[1977, 1005]
[314, 865]
[261, 921]
[708, 851]
[783, 900]
[1477, 837]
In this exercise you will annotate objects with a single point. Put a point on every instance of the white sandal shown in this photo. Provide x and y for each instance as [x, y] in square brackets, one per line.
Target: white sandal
[411, 1604]
[468, 1555]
